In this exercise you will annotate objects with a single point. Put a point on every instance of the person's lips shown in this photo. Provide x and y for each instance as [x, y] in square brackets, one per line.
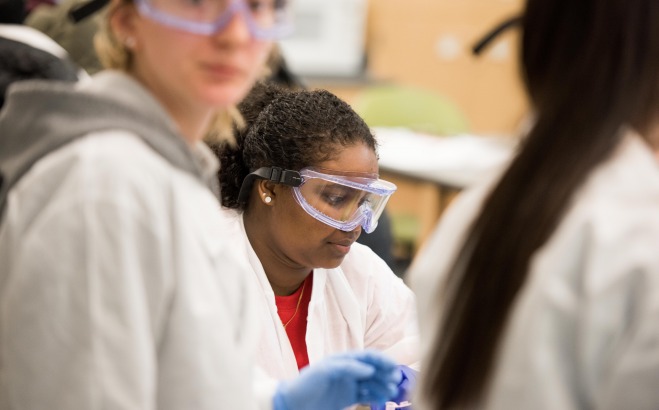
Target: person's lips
[222, 71]
[343, 246]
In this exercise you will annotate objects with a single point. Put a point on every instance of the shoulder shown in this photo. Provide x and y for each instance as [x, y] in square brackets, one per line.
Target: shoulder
[609, 236]
[113, 167]
[115, 157]
[361, 260]
[618, 205]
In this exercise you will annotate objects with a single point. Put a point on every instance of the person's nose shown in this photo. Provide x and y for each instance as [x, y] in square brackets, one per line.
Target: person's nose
[237, 29]
[356, 232]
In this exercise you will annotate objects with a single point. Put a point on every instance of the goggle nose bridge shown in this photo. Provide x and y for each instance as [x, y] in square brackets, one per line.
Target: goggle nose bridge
[366, 219]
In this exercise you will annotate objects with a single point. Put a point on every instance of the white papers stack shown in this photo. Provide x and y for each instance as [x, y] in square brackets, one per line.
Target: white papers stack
[457, 161]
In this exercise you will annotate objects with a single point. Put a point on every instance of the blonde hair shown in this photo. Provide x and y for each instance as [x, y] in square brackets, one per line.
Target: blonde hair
[114, 54]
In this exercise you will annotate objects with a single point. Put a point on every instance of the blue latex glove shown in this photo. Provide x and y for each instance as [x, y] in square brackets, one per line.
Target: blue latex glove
[339, 381]
[405, 387]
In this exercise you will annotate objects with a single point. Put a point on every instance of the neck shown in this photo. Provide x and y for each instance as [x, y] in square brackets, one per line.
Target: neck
[284, 275]
[192, 126]
[192, 118]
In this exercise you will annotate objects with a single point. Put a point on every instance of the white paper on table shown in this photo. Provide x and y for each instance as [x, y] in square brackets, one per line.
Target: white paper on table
[459, 160]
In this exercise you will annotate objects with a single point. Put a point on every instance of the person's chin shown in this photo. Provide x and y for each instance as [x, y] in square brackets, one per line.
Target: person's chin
[335, 256]
[223, 96]
[332, 264]
[223, 90]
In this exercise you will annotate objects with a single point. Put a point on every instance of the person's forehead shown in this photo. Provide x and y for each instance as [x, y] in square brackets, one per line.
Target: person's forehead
[344, 173]
[354, 160]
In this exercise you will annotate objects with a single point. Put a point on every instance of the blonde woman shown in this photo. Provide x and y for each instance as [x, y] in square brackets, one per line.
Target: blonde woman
[117, 287]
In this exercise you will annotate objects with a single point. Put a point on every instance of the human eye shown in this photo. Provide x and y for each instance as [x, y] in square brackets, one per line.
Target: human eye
[365, 200]
[334, 199]
[193, 3]
[197, 4]
[262, 6]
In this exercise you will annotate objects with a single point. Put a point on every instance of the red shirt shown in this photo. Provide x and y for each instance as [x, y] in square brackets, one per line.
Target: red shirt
[293, 312]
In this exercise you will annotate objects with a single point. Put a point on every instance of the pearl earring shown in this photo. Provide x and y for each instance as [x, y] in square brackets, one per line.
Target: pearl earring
[267, 199]
[130, 42]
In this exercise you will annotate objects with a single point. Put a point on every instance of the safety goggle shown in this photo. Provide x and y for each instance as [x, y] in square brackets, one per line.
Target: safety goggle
[266, 19]
[341, 201]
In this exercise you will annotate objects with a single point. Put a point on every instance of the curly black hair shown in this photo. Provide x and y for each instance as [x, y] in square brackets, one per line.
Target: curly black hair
[288, 129]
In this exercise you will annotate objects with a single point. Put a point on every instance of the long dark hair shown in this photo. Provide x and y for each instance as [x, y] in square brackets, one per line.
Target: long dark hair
[590, 67]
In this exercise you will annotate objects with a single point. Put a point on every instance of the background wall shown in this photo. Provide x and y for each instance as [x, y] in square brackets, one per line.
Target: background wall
[427, 43]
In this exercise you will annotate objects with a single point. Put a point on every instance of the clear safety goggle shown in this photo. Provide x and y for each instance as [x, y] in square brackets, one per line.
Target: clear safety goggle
[266, 19]
[341, 201]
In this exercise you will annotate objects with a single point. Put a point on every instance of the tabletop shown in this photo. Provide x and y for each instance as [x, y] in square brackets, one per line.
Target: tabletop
[456, 161]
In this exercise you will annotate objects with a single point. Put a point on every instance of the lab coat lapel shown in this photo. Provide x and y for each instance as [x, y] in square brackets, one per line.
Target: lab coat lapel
[273, 334]
[336, 322]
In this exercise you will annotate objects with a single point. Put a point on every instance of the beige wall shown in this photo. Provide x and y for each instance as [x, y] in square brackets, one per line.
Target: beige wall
[427, 43]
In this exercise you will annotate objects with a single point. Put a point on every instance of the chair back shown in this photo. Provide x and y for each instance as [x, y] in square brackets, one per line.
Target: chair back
[414, 108]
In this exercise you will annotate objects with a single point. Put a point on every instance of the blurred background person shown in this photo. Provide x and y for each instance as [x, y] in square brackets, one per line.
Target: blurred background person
[75, 36]
[118, 287]
[26, 53]
[540, 290]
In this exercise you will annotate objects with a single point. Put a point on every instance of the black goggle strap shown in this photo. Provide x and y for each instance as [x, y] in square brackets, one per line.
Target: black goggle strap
[275, 174]
[84, 10]
[495, 32]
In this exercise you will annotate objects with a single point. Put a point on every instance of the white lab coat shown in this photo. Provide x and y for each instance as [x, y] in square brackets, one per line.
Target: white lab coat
[584, 330]
[141, 305]
[360, 304]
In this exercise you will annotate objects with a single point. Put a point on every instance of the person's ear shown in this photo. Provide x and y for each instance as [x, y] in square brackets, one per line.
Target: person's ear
[266, 190]
[123, 25]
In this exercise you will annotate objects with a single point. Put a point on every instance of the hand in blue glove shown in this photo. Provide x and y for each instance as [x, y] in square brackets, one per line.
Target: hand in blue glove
[339, 381]
[405, 388]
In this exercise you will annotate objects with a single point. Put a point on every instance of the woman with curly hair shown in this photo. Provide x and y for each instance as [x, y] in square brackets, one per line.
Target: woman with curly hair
[302, 183]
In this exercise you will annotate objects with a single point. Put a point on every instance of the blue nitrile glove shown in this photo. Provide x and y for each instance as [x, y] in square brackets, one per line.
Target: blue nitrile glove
[339, 381]
[405, 387]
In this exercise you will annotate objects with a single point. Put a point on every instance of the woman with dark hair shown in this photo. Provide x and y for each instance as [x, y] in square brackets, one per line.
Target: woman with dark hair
[302, 183]
[540, 290]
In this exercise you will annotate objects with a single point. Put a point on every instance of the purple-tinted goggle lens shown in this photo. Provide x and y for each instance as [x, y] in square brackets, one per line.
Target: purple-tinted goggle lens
[343, 202]
[266, 19]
